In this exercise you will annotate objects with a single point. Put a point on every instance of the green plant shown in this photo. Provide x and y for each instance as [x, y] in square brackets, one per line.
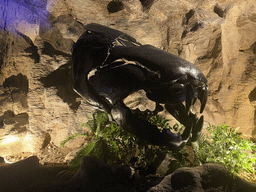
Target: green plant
[152, 156]
[113, 144]
[224, 145]
[105, 141]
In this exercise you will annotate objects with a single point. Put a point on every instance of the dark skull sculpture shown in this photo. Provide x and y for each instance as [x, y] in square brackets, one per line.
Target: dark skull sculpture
[122, 66]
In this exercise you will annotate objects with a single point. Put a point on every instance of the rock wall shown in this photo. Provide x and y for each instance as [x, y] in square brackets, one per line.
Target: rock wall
[37, 103]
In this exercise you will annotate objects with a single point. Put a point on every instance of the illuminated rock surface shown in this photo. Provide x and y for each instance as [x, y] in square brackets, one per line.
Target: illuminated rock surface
[37, 104]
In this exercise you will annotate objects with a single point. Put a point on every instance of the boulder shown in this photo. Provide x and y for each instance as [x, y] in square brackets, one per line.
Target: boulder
[205, 178]
[95, 175]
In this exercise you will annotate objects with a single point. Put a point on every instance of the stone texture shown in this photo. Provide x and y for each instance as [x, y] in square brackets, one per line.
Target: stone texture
[37, 104]
[205, 178]
[95, 175]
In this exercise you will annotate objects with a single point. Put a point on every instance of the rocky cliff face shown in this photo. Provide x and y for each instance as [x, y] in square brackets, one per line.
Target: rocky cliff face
[37, 103]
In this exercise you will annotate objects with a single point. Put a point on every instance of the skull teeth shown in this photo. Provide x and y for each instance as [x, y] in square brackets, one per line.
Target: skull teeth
[189, 98]
[198, 128]
[203, 97]
[186, 133]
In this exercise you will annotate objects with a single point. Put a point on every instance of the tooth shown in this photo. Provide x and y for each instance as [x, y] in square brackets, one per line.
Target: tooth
[186, 133]
[194, 100]
[203, 97]
[197, 129]
[189, 98]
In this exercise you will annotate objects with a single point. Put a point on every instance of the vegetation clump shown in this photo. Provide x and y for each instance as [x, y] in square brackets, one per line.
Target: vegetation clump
[113, 144]
[224, 145]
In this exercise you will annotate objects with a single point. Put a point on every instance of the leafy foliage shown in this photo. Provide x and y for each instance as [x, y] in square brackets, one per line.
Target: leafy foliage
[105, 141]
[224, 145]
[152, 156]
[113, 144]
